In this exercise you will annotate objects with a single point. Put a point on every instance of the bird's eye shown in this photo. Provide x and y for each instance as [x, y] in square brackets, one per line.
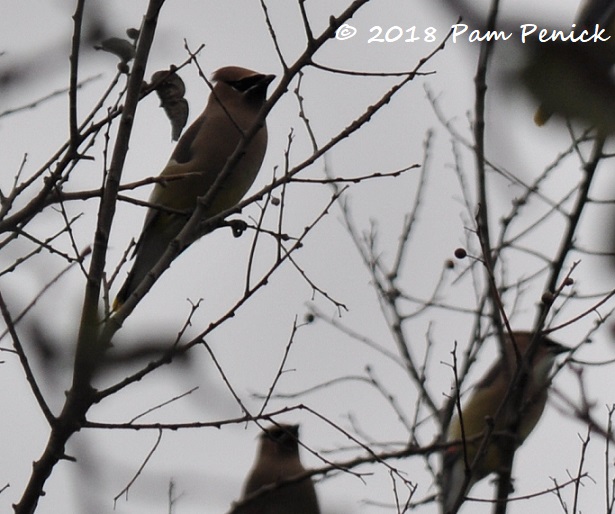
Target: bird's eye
[275, 435]
[246, 83]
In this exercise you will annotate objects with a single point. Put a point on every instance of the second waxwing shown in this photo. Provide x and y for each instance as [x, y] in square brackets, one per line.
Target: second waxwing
[278, 460]
[198, 159]
[573, 78]
[485, 400]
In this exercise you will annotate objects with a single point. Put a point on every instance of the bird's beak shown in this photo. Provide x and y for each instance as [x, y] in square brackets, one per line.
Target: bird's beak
[558, 348]
[267, 79]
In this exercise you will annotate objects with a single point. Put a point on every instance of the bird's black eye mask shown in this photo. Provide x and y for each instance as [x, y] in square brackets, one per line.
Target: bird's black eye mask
[253, 84]
[283, 435]
[278, 436]
[246, 83]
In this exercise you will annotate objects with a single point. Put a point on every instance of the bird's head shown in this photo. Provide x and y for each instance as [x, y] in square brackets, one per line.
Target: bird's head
[248, 83]
[543, 357]
[281, 439]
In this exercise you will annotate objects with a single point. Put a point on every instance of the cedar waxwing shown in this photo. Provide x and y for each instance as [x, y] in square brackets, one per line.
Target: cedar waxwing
[573, 78]
[278, 460]
[484, 402]
[199, 157]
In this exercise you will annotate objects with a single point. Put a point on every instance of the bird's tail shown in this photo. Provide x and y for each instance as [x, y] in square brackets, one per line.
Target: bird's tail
[124, 292]
[149, 250]
[452, 479]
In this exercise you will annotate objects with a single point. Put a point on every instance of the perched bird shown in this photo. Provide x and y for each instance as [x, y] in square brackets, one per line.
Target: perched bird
[278, 460]
[601, 12]
[574, 78]
[196, 162]
[484, 403]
